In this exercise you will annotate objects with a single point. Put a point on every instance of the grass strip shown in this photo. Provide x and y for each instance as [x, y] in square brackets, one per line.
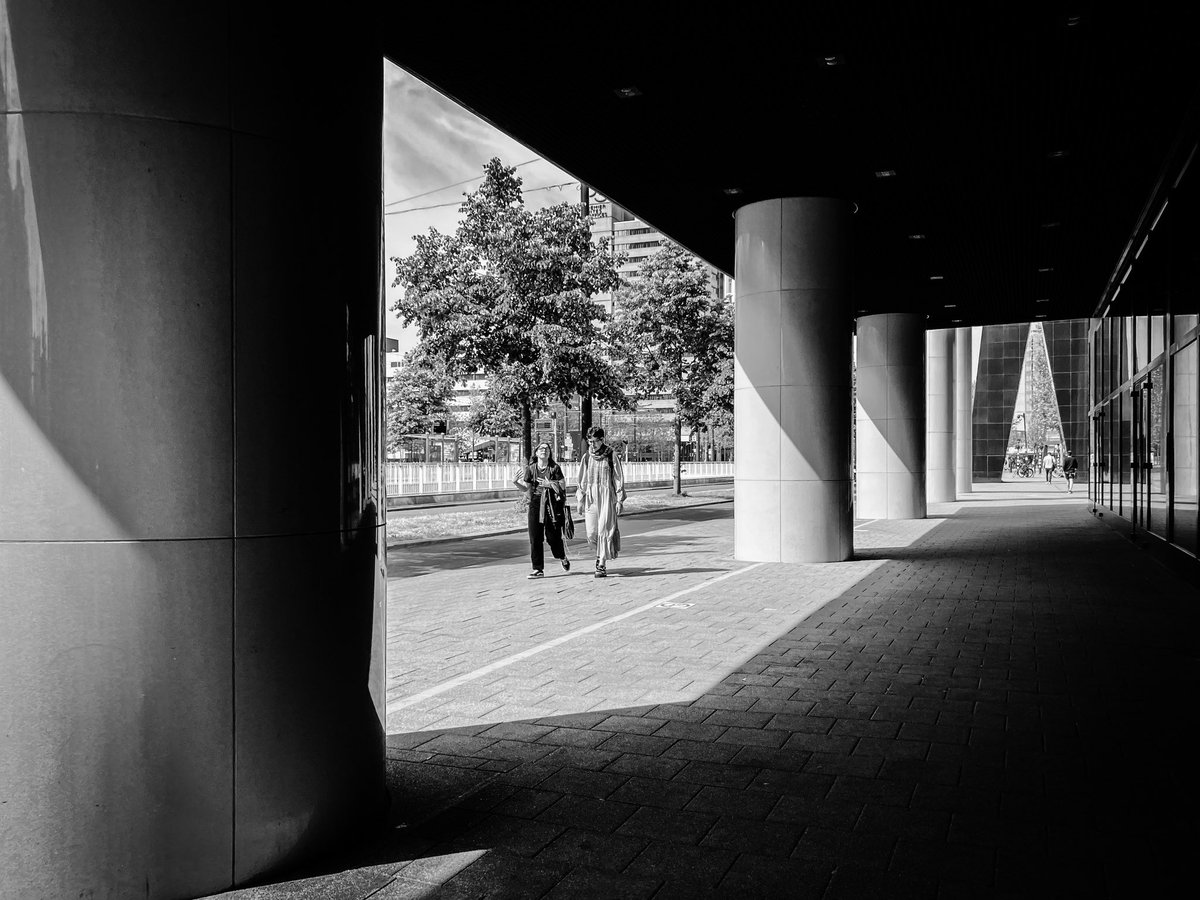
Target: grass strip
[447, 523]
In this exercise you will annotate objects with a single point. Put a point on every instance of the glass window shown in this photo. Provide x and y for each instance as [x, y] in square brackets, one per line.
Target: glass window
[1157, 333]
[1141, 354]
[1124, 491]
[1182, 325]
[1111, 424]
[1185, 470]
[1125, 336]
[1156, 475]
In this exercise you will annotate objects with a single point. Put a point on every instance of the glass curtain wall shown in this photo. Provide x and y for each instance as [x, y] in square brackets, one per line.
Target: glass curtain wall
[1145, 371]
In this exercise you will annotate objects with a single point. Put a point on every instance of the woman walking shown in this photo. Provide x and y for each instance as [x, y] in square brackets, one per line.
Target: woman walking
[545, 483]
[601, 494]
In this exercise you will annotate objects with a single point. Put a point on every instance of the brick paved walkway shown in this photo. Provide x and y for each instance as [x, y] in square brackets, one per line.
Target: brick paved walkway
[992, 702]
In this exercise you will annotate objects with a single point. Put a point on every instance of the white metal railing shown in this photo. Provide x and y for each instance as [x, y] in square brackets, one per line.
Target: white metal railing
[445, 478]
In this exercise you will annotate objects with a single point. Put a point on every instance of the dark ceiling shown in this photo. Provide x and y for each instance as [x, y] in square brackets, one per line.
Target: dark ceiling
[1026, 139]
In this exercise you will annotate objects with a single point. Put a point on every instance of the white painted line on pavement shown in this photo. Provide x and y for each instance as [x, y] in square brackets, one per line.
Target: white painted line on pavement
[865, 524]
[533, 651]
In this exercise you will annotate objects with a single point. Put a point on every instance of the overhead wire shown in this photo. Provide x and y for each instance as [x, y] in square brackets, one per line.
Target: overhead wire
[456, 184]
[547, 187]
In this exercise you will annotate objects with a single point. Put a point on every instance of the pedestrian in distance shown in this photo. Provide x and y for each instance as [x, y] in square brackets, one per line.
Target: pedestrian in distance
[601, 495]
[544, 482]
[1070, 470]
[1048, 466]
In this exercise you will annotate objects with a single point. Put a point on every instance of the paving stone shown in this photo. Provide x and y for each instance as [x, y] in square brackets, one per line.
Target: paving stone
[700, 751]
[769, 878]
[580, 758]
[717, 774]
[504, 875]
[583, 783]
[726, 802]
[526, 803]
[682, 865]
[846, 847]
[657, 793]
[668, 825]
[646, 766]
[589, 883]
[630, 724]
[771, 758]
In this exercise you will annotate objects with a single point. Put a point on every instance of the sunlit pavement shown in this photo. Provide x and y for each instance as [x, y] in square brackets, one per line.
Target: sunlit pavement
[992, 701]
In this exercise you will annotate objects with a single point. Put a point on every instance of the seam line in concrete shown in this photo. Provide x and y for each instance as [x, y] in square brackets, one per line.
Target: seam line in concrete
[533, 651]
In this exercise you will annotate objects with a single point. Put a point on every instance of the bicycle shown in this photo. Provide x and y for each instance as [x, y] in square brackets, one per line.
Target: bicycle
[1025, 470]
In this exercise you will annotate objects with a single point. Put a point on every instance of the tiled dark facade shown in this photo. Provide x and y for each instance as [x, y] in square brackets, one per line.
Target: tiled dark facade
[1001, 354]
[1067, 346]
[1001, 357]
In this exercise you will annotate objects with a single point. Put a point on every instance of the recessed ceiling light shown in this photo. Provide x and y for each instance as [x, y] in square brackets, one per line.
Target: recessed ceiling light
[834, 59]
[936, 277]
[861, 311]
[1051, 224]
[733, 192]
[626, 92]
[1044, 300]
[956, 320]
[1057, 154]
[1072, 21]
[886, 173]
[1040, 316]
[916, 237]
[1046, 269]
[950, 306]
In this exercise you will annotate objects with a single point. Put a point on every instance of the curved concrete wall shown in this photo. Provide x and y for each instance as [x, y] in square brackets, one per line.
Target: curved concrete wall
[939, 416]
[964, 398]
[792, 382]
[891, 417]
[191, 658]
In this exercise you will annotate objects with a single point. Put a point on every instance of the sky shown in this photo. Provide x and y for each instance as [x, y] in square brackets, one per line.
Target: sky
[433, 152]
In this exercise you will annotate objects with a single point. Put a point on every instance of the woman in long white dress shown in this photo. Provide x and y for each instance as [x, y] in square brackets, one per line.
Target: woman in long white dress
[601, 495]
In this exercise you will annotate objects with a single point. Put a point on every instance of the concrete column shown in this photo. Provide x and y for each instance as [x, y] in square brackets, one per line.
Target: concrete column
[792, 380]
[891, 417]
[964, 397]
[191, 542]
[939, 415]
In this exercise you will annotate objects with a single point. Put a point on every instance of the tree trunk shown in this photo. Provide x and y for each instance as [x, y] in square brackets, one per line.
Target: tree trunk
[527, 430]
[678, 442]
[585, 416]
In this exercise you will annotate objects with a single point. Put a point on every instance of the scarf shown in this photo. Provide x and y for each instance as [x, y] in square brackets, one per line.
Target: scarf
[604, 452]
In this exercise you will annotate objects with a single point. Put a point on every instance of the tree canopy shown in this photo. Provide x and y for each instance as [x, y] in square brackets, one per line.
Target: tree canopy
[510, 294]
[418, 395]
[675, 337]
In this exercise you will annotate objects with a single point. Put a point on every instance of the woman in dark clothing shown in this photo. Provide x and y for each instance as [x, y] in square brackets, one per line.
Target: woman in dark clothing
[545, 483]
[1070, 469]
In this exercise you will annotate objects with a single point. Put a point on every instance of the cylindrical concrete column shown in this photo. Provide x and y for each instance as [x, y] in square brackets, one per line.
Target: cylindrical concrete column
[939, 415]
[792, 382]
[964, 397]
[890, 406]
[191, 542]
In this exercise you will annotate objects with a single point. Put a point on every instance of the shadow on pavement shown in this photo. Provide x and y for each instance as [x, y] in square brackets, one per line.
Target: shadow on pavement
[909, 738]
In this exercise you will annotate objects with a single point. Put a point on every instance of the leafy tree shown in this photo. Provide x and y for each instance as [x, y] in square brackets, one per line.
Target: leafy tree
[510, 293]
[676, 337]
[490, 414]
[418, 395]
